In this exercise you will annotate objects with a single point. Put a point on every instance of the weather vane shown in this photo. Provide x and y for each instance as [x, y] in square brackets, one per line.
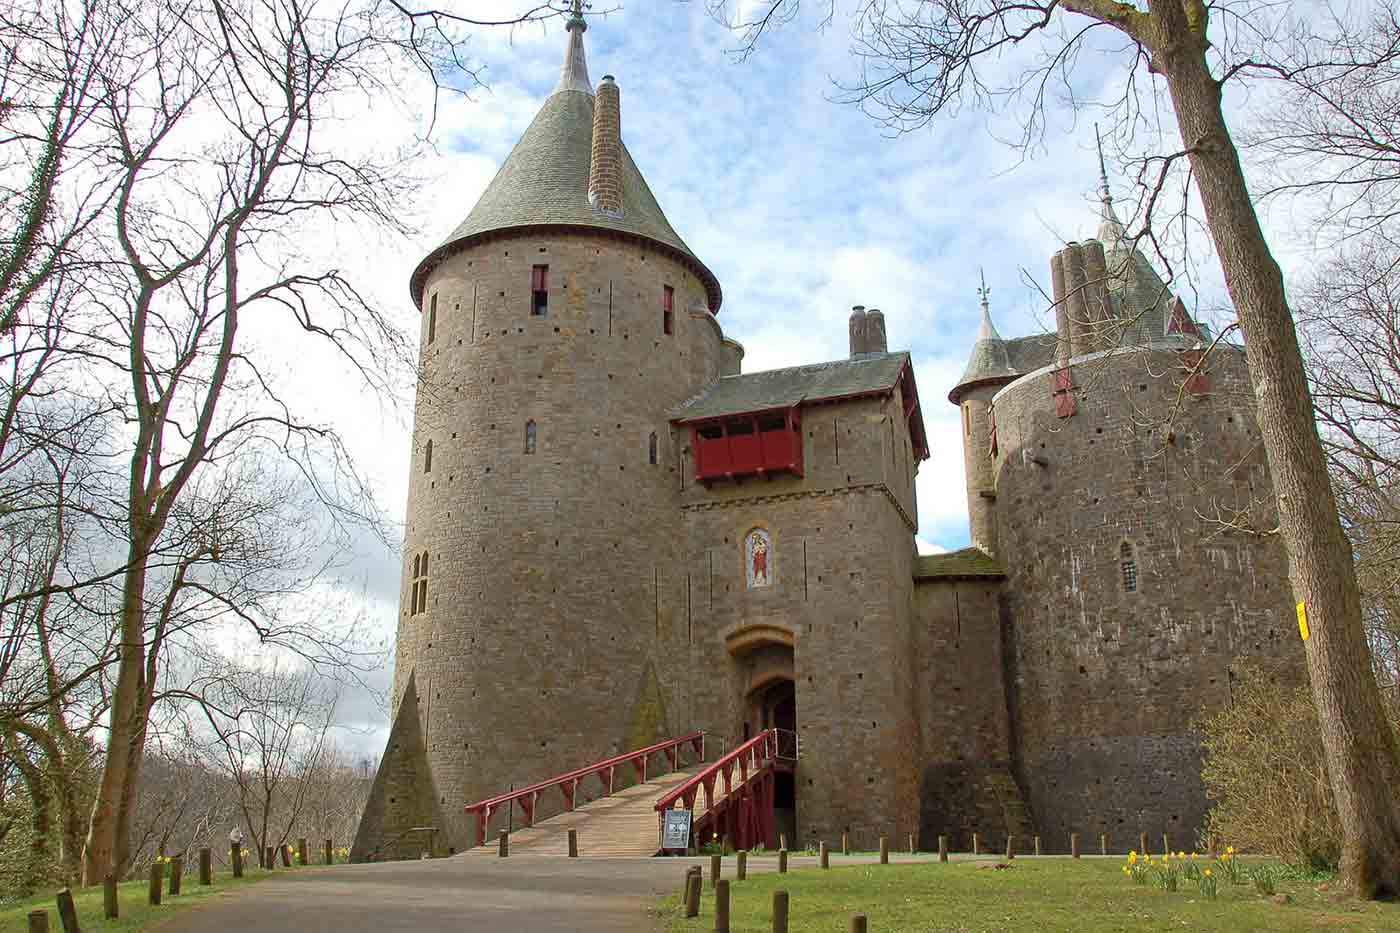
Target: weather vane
[984, 291]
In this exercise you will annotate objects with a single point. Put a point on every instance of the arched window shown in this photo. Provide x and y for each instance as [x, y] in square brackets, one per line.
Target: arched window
[428, 457]
[530, 437]
[651, 449]
[1127, 565]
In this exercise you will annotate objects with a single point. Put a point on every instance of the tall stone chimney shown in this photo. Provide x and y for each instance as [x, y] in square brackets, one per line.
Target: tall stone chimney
[605, 172]
[875, 341]
[858, 331]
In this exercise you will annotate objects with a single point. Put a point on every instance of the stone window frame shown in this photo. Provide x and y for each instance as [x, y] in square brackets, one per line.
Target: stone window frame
[532, 434]
[418, 585]
[668, 310]
[1129, 568]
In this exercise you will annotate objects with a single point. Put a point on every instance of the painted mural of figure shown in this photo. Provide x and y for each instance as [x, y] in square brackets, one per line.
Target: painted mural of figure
[758, 547]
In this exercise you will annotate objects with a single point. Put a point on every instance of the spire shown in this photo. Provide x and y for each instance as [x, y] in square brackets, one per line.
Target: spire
[988, 331]
[1110, 227]
[574, 75]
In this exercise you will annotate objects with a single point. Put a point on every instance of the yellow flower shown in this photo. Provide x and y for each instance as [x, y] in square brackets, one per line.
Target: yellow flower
[1181, 855]
[1206, 873]
[1229, 850]
[1132, 858]
[1193, 856]
[1127, 870]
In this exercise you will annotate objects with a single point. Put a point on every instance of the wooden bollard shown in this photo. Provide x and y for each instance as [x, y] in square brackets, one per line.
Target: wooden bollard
[1103, 843]
[943, 848]
[269, 857]
[824, 855]
[235, 857]
[782, 861]
[1214, 846]
[722, 907]
[780, 912]
[1036, 841]
[1166, 844]
[329, 852]
[177, 874]
[67, 913]
[110, 905]
[39, 921]
[157, 876]
[286, 855]
[692, 893]
[1074, 845]
[573, 843]
[912, 847]
[1010, 847]
[976, 845]
[845, 843]
[303, 855]
[741, 865]
[206, 866]
[858, 923]
[503, 844]
[884, 850]
[782, 841]
[1142, 842]
[715, 861]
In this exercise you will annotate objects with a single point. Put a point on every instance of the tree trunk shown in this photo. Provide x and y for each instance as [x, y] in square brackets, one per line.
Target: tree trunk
[1360, 750]
[106, 848]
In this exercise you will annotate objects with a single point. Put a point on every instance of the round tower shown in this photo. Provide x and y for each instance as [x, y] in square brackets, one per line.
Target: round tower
[561, 321]
[988, 369]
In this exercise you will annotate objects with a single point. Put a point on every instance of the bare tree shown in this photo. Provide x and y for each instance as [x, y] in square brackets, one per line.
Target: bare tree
[920, 59]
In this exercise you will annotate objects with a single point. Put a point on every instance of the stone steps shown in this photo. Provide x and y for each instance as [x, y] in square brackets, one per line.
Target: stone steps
[623, 824]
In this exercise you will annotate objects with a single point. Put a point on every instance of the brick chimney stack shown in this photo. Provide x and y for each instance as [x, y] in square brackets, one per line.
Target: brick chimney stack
[605, 173]
[858, 332]
[875, 332]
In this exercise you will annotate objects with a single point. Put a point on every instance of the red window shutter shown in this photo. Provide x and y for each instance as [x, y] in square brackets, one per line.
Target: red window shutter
[1197, 381]
[539, 278]
[1064, 379]
[1064, 404]
[1063, 392]
[668, 299]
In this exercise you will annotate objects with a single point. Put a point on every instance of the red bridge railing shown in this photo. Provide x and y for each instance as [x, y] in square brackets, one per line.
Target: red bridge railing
[568, 784]
[743, 813]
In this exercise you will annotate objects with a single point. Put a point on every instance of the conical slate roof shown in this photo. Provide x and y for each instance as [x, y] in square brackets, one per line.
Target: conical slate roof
[544, 183]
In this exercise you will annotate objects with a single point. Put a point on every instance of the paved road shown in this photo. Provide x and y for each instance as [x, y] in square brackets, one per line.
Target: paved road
[523, 895]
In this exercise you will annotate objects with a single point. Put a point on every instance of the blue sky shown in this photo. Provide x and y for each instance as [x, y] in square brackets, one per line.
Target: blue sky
[801, 206]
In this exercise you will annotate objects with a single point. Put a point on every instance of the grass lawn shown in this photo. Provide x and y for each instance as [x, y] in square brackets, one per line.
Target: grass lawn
[1034, 894]
[135, 913]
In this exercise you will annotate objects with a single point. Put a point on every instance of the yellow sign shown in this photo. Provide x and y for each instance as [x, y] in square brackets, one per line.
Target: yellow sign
[1303, 621]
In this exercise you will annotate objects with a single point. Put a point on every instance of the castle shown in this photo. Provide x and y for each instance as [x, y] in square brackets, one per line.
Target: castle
[616, 536]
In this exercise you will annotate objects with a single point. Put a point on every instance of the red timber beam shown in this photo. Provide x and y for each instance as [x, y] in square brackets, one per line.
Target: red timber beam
[568, 783]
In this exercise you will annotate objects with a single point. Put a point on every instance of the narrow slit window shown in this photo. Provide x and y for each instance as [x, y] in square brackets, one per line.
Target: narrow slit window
[651, 449]
[432, 318]
[428, 457]
[668, 310]
[530, 434]
[1127, 565]
[418, 586]
[539, 291]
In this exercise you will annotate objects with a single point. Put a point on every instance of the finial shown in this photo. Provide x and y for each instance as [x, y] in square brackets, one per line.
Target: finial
[1103, 171]
[574, 75]
[988, 331]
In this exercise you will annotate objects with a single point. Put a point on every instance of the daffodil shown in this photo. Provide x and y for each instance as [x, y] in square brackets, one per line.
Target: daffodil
[1229, 850]
[1207, 872]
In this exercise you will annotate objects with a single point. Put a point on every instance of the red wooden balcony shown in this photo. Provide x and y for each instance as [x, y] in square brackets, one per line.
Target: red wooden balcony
[738, 446]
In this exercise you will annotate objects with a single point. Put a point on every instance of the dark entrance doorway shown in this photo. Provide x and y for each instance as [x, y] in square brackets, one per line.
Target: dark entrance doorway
[774, 706]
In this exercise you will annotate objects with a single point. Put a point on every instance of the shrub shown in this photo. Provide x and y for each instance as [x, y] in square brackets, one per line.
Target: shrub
[1263, 766]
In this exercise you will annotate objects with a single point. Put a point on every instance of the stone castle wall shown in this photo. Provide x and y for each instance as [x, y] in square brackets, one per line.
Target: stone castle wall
[546, 569]
[978, 466]
[841, 560]
[1105, 682]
